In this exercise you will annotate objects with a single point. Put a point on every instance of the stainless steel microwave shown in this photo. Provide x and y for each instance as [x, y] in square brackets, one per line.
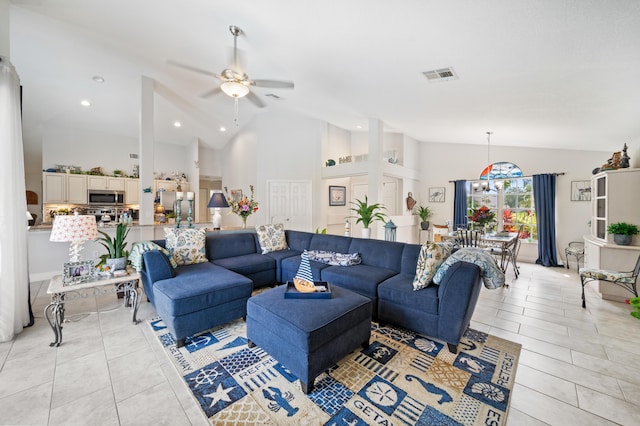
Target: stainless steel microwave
[101, 197]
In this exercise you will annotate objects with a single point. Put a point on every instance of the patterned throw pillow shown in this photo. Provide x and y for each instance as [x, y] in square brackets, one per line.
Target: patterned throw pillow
[140, 247]
[186, 245]
[431, 257]
[271, 237]
[492, 276]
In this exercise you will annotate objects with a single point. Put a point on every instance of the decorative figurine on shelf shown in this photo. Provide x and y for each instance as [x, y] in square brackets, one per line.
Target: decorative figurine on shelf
[410, 202]
[624, 161]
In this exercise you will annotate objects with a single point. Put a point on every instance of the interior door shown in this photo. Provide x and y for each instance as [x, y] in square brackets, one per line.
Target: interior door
[290, 203]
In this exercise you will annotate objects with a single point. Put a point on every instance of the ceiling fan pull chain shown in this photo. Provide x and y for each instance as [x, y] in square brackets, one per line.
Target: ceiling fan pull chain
[235, 99]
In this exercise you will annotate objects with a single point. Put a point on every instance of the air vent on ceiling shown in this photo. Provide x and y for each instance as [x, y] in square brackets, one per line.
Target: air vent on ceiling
[442, 74]
[273, 95]
[133, 155]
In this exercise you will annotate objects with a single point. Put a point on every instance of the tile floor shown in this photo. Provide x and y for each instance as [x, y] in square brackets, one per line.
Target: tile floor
[577, 366]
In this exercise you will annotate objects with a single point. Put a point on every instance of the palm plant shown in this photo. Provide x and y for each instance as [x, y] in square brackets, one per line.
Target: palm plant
[367, 213]
[115, 246]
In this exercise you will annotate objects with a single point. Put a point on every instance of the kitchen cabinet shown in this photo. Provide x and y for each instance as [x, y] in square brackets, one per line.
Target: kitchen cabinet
[131, 194]
[64, 188]
[106, 182]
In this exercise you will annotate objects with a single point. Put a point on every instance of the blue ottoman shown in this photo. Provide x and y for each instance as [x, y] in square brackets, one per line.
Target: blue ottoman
[308, 335]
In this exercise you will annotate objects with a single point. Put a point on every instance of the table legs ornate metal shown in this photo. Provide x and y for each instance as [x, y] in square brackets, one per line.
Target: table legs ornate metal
[54, 311]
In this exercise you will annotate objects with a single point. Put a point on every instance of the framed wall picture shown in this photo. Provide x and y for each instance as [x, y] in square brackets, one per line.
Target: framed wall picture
[236, 194]
[337, 195]
[436, 194]
[74, 272]
[580, 190]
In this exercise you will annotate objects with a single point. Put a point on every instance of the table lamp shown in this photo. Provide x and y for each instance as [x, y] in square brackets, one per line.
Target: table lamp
[217, 201]
[75, 229]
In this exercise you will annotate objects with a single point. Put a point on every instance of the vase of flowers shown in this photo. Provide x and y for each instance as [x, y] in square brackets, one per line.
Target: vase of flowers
[243, 206]
[482, 216]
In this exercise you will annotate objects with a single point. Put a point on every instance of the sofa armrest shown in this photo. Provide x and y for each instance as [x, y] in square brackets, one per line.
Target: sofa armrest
[458, 294]
[157, 266]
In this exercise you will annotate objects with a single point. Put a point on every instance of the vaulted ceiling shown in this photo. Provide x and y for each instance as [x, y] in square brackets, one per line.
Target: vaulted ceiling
[538, 73]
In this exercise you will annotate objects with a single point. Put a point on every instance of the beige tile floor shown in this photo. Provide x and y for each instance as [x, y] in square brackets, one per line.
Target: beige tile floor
[577, 366]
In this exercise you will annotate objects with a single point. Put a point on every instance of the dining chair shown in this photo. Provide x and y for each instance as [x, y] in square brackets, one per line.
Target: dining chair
[576, 249]
[468, 238]
[626, 280]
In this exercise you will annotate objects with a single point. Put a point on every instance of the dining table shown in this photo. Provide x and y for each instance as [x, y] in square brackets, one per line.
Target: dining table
[503, 245]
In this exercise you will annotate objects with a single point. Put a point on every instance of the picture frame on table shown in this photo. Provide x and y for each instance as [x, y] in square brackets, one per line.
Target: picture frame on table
[436, 194]
[580, 190]
[75, 272]
[337, 195]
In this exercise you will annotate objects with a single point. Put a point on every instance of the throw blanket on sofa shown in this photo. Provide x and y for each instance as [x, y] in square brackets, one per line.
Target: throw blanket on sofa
[492, 276]
[333, 258]
[140, 247]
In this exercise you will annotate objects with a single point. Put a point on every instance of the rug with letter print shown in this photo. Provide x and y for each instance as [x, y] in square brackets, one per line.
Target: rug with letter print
[402, 378]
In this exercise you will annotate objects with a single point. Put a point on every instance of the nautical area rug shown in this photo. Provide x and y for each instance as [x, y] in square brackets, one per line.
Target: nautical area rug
[403, 378]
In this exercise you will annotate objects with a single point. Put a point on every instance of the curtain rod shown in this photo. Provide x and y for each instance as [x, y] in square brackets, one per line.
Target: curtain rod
[519, 177]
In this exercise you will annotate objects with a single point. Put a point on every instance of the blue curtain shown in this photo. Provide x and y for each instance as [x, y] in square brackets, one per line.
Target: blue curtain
[544, 192]
[460, 204]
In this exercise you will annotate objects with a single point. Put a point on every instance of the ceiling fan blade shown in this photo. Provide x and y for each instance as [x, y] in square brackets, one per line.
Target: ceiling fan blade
[211, 92]
[273, 84]
[255, 100]
[194, 69]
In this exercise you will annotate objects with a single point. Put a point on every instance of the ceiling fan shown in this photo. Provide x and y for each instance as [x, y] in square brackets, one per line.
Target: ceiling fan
[234, 81]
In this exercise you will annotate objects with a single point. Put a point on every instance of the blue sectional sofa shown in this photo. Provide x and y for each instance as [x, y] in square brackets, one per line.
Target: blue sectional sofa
[194, 298]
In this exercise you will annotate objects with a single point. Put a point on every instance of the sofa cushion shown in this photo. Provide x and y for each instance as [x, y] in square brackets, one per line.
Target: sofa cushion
[191, 290]
[327, 242]
[220, 246]
[298, 240]
[399, 289]
[492, 276]
[247, 264]
[186, 245]
[429, 260]
[271, 237]
[362, 279]
[383, 254]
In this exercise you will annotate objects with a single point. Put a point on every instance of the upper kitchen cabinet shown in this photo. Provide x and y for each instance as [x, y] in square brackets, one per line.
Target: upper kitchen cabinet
[64, 188]
[131, 191]
[106, 182]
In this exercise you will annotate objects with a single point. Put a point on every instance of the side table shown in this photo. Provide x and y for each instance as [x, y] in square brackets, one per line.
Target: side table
[62, 292]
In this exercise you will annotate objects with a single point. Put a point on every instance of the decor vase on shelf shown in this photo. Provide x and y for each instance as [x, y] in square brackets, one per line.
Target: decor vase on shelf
[243, 206]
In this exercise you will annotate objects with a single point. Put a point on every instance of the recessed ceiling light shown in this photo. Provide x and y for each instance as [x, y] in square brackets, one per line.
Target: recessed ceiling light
[98, 79]
[223, 129]
[85, 103]
[358, 127]
[177, 124]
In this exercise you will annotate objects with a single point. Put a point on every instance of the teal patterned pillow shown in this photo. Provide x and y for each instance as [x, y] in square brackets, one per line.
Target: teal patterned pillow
[186, 245]
[271, 237]
[430, 258]
[492, 276]
[140, 247]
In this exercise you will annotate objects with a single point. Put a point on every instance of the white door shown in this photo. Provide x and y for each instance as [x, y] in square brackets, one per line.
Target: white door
[290, 203]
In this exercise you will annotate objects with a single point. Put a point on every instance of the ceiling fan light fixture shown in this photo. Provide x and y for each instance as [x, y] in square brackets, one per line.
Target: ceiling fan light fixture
[234, 89]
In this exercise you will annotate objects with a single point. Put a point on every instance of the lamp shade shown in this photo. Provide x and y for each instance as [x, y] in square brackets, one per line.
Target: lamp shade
[218, 200]
[74, 228]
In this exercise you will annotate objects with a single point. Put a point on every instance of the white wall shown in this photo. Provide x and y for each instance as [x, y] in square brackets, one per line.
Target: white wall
[210, 163]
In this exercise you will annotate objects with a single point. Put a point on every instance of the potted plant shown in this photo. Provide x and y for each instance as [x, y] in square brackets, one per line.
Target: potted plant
[116, 256]
[171, 218]
[622, 232]
[366, 214]
[424, 213]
